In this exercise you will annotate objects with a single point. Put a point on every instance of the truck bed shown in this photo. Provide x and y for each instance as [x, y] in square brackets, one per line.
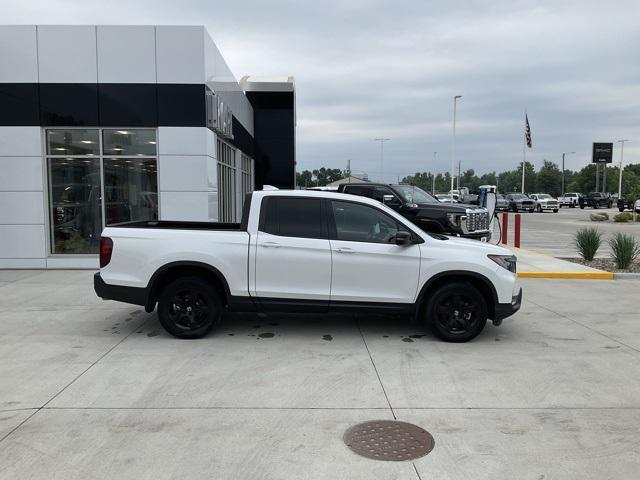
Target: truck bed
[179, 225]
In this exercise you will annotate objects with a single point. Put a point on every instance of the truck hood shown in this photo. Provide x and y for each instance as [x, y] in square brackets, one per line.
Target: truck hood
[446, 207]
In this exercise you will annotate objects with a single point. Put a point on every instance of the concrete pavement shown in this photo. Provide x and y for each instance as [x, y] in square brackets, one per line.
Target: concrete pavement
[93, 389]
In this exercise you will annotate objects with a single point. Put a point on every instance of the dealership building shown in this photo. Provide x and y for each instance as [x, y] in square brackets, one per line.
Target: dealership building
[107, 124]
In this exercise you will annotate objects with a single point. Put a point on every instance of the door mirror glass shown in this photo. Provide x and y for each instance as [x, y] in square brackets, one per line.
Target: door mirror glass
[390, 200]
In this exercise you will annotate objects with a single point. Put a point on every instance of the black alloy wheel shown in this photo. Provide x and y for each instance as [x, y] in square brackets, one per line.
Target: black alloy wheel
[190, 307]
[456, 312]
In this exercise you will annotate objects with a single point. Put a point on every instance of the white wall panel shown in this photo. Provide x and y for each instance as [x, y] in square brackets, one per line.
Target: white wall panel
[180, 54]
[22, 241]
[89, 262]
[188, 173]
[23, 263]
[20, 173]
[185, 141]
[192, 206]
[21, 208]
[213, 206]
[67, 54]
[18, 54]
[20, 141]
[126, 54]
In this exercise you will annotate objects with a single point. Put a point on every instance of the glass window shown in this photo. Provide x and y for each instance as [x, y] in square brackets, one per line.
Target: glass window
[377, 193]
[412, 194]
[294, 217]
[88, 190]
[76, 220]
[73, 142]
[129, 141]
[130, 189]
[362, 223]
[226, 182]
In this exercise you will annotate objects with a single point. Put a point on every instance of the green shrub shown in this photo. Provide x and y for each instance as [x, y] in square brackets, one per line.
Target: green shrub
[625, 249]
[587, 242]
[623, 217]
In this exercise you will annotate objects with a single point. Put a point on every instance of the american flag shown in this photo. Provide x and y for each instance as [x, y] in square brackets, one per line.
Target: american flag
[527, 131]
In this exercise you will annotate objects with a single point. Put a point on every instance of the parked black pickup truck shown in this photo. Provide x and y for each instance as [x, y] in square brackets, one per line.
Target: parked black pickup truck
[595, 200]
[426, 211]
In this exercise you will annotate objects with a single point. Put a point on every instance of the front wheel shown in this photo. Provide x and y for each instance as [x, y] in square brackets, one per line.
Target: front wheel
[621, 210]
[582, 207]
[190, 307]
[555, 210]
[539, 208]
[456, 312]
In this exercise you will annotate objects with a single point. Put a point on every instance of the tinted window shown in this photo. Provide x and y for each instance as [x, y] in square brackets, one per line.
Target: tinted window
[361, 223]
[357, 190]
[294, 217]
[378, 193]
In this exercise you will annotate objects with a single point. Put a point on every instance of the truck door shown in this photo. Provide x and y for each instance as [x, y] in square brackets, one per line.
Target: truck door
[293, 255]
[368, 266]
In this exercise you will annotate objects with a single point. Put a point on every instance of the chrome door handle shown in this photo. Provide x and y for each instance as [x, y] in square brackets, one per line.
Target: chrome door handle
[270, 245]
[344, 250]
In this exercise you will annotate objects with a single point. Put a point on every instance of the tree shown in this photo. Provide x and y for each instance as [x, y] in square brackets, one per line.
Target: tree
[549, 178]
[304, 179]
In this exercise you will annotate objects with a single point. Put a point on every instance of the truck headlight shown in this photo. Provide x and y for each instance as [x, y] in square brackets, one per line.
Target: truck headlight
[505, 261]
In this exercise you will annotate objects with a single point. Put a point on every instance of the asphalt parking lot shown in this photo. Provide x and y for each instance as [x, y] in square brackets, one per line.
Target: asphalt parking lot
[94, 389]
[552, 233]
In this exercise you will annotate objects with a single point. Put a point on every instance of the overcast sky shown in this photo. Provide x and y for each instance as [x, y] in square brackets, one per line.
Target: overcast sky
[367, 69]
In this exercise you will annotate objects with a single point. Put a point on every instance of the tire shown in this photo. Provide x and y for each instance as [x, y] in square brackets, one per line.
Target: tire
[555, 210]
[443, 308]
[621, 210]
[582, 207]
[609, 205]
[539, 208]
[531, 210]
[514, 208]
[190, 307]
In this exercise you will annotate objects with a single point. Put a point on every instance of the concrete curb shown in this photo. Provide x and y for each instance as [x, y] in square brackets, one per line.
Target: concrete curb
[626, 276]
[575, 275]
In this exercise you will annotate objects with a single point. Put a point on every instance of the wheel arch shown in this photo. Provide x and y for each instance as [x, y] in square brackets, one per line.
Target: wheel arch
[482, 283]
[171, 271]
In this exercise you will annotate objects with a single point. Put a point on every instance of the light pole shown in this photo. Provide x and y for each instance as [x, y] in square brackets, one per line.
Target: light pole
[433, 178]
[453, 145]
[563, 154]
[621, 142]
[381, 140]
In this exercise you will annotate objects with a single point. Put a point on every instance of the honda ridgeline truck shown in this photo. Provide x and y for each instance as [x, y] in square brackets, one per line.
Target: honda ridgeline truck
[307, 251]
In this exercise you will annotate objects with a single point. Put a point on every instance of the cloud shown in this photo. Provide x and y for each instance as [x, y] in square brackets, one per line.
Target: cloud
[366, 69]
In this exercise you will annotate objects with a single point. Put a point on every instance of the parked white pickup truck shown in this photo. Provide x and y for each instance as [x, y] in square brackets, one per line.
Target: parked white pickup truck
[307, 251]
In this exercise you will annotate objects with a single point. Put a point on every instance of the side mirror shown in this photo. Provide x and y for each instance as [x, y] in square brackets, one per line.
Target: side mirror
[402, 238]
[390, 200]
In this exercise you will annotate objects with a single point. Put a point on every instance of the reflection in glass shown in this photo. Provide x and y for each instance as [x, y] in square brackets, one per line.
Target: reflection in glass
[73, 142]
[130, 189]
[76, 220]
[129, 142]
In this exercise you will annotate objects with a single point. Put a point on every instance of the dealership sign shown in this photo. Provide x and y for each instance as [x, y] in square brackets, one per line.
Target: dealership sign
[602, 153]
[219, 115]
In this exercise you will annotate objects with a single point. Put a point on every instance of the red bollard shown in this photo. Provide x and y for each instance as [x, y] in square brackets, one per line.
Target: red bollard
[505, 227]
[516, 233]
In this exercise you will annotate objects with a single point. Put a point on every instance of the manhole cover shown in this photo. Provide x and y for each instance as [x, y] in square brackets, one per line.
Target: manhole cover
[389, 440]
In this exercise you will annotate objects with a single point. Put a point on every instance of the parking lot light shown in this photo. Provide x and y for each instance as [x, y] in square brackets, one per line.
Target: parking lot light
[563, 154]
[621, 142]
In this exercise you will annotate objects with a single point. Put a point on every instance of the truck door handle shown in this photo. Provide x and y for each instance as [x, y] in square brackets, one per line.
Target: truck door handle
[344, 250]
[270, 245]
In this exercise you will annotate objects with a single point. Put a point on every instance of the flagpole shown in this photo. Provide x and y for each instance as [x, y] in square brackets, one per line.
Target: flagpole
[524, 149]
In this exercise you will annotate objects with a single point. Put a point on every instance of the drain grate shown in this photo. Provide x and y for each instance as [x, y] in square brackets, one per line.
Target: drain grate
[389, 440]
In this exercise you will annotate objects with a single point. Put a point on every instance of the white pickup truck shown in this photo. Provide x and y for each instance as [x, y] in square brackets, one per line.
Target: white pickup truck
[307, 251]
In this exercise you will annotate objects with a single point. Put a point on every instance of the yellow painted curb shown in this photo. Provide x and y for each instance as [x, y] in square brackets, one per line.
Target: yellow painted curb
[578, 275]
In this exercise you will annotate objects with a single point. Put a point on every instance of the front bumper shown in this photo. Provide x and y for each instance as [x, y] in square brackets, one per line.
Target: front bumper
[504, 310]
[486, 235]
[120, 293]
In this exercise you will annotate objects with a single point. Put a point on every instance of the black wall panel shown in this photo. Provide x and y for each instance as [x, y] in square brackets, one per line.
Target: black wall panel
[19, 104]
[181, 105]
[69, 104]
[128, 104]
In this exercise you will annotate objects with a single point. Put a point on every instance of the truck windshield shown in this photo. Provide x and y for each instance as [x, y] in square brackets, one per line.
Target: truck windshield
[411, 194]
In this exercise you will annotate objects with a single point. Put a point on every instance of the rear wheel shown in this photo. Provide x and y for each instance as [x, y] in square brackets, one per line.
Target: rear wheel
[555, 210]
[190, 307]
[456, 312]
